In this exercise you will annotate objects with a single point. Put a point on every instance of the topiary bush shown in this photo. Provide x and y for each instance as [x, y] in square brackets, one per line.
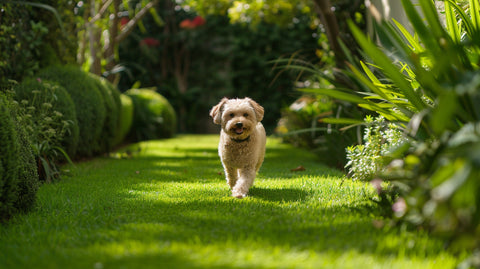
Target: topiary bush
[111, 98]
[18, 178]
[125, 119]
[154, 117]
[89, 104]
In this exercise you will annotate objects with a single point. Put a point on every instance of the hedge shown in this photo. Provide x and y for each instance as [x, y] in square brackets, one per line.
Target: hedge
[89, 104]
[154, 117]
[125, 119]
[18, 178]
[111, 98]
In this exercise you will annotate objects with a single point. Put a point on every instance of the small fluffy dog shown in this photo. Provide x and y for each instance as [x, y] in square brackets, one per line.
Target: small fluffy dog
[242, 141]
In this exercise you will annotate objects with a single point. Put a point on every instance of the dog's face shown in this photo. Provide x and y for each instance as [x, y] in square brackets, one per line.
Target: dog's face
[238, 117]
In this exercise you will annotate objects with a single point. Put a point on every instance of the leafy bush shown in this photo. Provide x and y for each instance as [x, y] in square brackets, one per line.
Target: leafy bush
[308, 123]
[18, 177]
[428, 84]
[125, 119]
[21, 40]
[111, 98]
[32, 94]
[34, 34]
[154, 117]
[380, 139]
[89, 104]
[48, 113]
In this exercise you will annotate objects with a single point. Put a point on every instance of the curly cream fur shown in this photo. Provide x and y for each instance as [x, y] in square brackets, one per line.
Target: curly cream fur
[242, 141]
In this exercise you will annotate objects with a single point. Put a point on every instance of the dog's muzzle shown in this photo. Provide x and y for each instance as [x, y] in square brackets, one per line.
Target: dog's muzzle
[238, 128]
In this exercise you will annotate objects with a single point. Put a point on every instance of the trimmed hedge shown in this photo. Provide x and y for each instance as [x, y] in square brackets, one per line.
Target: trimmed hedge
[89, 104]
[111, 98]
[59, 98]
[154, 117]
[125, 119]
[18, 176]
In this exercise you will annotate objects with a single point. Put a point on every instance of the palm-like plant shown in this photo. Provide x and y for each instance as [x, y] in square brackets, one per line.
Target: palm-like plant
[429, 84]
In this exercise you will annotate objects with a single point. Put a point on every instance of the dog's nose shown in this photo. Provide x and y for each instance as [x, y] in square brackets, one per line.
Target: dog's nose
[239, 125]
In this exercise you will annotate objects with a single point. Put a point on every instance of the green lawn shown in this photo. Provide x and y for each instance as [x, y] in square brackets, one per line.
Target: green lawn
[168, 206]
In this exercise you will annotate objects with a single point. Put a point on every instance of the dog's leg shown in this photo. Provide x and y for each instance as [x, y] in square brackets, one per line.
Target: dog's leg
[245, 181]
[231, 175]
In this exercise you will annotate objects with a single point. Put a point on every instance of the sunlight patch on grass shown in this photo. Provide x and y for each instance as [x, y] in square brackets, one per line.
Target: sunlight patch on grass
[168, 206]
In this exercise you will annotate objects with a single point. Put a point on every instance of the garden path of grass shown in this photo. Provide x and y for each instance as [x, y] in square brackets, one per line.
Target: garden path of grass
[168, 206]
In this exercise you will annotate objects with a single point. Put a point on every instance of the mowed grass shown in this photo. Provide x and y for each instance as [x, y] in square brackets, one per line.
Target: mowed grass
[168, 206]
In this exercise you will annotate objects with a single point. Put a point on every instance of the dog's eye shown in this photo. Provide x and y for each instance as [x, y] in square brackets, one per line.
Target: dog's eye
[232, 115]
[245, 115]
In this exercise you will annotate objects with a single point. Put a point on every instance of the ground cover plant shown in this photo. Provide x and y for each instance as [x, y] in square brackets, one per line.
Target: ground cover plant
[164, 204]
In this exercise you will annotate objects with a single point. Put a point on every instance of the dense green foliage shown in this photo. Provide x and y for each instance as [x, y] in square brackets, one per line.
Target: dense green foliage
[428, 85]
[18, 174]
[111, 101]
[49, 107]
[153, 116]
[32, 36]
[195, 67]
[89, 104]
[125, 119]
[166, 206]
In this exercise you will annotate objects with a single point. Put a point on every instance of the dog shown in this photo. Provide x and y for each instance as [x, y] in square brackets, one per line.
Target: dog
[242, 141]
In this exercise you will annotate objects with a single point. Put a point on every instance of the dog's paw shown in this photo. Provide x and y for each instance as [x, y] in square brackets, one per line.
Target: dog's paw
[239, 195]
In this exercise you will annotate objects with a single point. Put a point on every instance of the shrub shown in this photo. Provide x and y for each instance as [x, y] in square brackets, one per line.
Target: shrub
[18, 178]
[89, 104]
[380, 139]
[35, 93]
[125, 119]
[154, 117]
[304, 124]
[436, 100]
[28, 171]
[48, 113]
[111, 98]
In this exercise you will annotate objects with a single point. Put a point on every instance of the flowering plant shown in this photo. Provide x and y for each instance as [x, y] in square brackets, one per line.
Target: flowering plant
[47, 127]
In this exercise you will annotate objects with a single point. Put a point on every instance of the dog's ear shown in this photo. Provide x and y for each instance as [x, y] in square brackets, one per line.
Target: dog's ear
[257, 108]
[216, 111]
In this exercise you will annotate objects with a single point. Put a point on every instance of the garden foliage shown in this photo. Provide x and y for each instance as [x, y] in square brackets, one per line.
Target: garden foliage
[196, 66]
[89, 104]
[18, 174]
[428, 84]
[34, 34]
[153, 116]
[48, 114]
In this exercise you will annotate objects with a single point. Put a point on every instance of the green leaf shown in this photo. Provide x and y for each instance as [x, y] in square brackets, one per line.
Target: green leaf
[412, 40]
[475, 14]
[340, 121]
[444, 113]
[451, 20]
[390, 69]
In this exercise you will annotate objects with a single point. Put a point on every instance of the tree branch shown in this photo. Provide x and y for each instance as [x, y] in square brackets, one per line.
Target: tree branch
[128, 28]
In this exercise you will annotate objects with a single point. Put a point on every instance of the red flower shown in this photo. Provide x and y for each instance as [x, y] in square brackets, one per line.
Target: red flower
[124, 21]
[150, 42]
[187, 24]
[192, 24]
[198, 21]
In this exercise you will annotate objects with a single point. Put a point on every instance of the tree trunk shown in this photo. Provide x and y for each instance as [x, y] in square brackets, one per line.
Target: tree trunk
[329, 20]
